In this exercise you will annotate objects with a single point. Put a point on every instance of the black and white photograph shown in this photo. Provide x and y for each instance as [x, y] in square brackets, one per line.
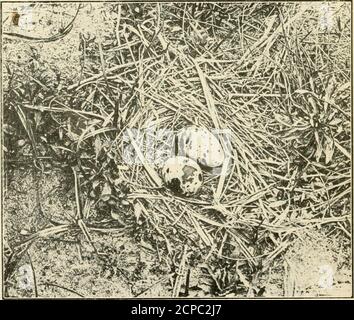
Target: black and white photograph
[176, 150]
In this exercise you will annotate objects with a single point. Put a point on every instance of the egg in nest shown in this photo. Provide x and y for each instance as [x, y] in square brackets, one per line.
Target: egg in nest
[182, 175]
[200, 145]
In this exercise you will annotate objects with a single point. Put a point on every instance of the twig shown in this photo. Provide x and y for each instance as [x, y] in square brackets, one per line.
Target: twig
[180, 274]
[61, 287]
[56, 37]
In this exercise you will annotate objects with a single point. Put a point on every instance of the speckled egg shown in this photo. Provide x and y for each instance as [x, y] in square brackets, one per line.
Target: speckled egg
[182, 175]
[200, 145]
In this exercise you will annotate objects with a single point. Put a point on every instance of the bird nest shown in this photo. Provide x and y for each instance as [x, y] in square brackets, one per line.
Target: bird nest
[248, 71]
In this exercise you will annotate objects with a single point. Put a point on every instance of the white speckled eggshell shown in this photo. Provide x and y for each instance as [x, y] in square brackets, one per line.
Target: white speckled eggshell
[182, 175]
[200, 145]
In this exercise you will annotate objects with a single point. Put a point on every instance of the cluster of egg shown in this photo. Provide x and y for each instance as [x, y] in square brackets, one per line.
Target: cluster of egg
[194, 147]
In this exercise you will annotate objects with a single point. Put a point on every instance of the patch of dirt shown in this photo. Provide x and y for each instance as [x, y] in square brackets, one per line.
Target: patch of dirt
[313, 266]
[68, 265]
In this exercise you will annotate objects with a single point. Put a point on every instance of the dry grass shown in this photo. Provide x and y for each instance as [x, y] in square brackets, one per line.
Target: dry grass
[275, 75]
